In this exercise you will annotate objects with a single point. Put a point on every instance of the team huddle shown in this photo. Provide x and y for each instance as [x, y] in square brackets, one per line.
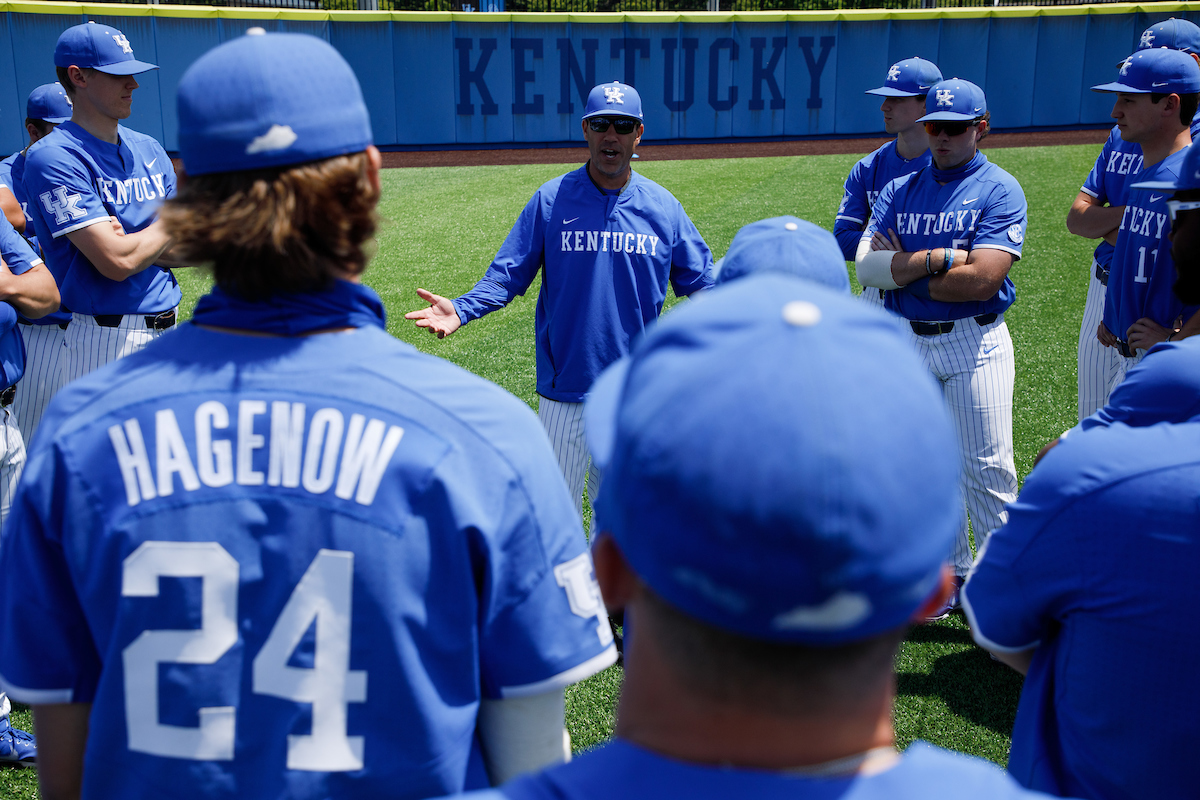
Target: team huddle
[275, 552]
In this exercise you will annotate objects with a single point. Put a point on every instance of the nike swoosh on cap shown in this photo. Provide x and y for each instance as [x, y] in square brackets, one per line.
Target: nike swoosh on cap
[1163, 83]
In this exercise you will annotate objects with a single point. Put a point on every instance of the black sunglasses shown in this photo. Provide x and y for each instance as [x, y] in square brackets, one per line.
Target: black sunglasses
[623, 125]
[951, 127]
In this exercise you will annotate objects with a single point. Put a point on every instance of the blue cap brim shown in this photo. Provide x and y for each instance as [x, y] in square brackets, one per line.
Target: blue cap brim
[1116, 86]
[1168, 185]
[884, 91]
[604, 113]
[600, 412]
[126, 68]
[953, 116]
[55, 120]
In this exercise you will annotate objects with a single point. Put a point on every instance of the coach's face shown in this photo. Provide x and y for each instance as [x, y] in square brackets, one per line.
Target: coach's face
[610, 150]
[901, 113]
[1185, 249]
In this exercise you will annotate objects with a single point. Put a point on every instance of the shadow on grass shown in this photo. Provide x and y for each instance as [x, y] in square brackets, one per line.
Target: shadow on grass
[967, 680]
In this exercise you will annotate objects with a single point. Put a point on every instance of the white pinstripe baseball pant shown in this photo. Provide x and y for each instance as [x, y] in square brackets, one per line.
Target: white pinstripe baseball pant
[43, 371]
[976, 366]
[88, 345]
[872, 296]
[12, 463]
[1097, 364]
[1123, 365]
[564, 427]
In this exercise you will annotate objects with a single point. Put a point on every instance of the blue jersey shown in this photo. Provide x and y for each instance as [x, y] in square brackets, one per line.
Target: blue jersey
[980, 206]
[1097, 568]
[12, 175]
[20, 258]
[291, 566]
[863, 185]
[74, 180]
[624, 770]
[606, 260]
[1119, 161]
[1162, 387]
[1142, 274]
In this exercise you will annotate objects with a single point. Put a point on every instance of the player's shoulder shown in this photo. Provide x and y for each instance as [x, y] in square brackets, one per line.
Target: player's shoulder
[366, 367]
[644, 188]
[1090, 461]
[927, 770]
[876, 157]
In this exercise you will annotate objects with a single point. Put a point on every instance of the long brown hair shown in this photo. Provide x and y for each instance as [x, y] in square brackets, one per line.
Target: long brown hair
[285, 229]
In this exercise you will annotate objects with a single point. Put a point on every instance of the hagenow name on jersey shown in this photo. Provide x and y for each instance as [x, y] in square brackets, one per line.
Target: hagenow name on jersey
[609, 241]
[65, 206]
[958, 220]
[317, 453]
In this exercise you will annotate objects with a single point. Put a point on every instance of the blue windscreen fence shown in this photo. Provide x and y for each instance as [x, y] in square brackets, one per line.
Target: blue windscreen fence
[494, 80]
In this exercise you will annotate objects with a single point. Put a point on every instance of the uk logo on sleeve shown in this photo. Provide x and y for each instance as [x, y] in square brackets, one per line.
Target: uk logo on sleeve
[1015, 234]
[63, 206]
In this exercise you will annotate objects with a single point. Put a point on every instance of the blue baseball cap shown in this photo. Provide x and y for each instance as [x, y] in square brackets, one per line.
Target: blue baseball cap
[788, 245]
[778, 463]
[614, 99]
[269, 100]
[954, 99]
[49, 102]
[1175, 34]
[1157, 70]
[911, 77]
[99, 47]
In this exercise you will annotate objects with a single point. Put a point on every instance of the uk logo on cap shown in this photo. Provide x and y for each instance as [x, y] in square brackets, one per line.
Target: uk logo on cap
[945, 97]
[1148, 37]
[120, 39]
[1125, 64]
[894, 73]
[613, 94]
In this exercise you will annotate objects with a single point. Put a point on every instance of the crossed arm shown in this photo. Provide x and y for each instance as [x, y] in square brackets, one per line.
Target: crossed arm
[1091, 219]
[118, 255]
[969, 275]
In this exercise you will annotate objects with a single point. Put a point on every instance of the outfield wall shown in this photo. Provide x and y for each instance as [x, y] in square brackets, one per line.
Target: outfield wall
[495, 78]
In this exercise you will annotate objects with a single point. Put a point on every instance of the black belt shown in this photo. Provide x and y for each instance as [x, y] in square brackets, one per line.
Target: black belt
[62, 325]
[1124, 349]
[935, 328]
[1101, 274]
[155, 322]
[7, 396]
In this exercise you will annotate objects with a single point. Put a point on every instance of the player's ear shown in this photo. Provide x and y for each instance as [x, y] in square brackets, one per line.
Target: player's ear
[374, 165]
[984, 127]
[583, 127]
[937, 599]
[641, 128]
[618, 582]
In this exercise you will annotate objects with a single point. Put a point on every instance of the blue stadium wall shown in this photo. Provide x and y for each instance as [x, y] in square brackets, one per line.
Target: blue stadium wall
[496, 79]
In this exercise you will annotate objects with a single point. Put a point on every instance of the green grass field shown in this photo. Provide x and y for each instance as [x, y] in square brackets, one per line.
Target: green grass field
[442, 226]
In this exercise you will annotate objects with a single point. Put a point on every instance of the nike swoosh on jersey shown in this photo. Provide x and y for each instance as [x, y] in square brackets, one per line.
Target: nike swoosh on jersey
[150, 163]
[990, 349]
[968, 202]
[569, 221]
[1154, 198]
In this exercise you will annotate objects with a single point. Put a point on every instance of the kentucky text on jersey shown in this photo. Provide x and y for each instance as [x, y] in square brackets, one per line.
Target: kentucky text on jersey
[1143, 222]
[65, 206]
[598, 241]
[958, 220]
[1124, 163]
[329, 452]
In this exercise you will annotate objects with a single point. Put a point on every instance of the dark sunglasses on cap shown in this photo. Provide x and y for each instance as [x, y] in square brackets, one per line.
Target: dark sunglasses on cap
[623, 125]
[951, 127]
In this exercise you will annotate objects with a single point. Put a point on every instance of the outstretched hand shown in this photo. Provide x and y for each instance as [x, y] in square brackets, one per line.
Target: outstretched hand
[440, 318]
